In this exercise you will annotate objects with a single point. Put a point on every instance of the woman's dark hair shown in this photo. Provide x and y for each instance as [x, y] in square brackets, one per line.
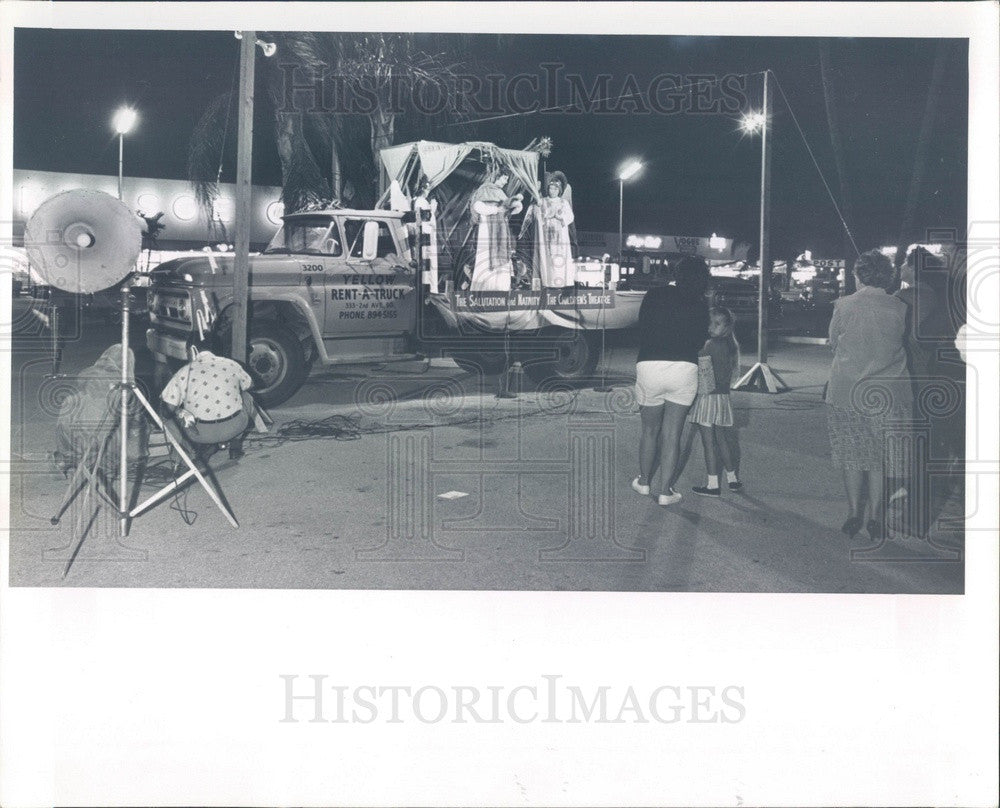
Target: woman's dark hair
[724, 313]
[928, 268]
[692, 275]
[874, 269]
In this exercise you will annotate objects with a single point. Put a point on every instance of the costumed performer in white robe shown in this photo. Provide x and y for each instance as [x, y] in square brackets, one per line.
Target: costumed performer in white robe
[553, 252]
[491, 209]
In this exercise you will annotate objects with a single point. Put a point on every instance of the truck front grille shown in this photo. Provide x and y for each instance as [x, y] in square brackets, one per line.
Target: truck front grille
[172, 306]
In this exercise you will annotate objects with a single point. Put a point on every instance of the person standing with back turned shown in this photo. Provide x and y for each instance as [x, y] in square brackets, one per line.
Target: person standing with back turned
[673, 327]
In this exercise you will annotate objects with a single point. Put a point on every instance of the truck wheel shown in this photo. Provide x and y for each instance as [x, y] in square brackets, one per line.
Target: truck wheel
[482, 363]
[276, 363]
[577, 354]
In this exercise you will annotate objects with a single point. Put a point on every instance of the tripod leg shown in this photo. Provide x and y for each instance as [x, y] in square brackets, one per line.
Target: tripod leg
[169, 488]
[76, 482]
[193, 469]
[82, 526]
[76, 485]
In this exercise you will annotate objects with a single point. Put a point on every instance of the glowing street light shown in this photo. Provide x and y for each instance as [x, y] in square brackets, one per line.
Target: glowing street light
[760, 376]
[626, 172]
[629, 170]
[753, 122]
[123, 122]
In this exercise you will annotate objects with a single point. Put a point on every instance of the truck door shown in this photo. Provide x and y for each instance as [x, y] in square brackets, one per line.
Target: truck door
[373, 297]
[322, 257]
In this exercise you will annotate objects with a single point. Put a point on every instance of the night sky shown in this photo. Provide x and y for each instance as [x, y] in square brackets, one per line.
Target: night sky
[702, 174]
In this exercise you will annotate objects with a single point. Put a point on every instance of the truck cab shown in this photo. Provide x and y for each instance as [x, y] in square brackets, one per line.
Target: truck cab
[335, 285]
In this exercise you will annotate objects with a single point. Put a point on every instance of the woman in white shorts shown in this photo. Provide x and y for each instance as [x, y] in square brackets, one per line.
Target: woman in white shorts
[673, 326]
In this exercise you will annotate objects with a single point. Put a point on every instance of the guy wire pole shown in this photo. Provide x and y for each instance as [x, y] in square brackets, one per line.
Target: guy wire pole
[765, 228]
[244, 150]
[123, 424]
[621, 206]
[121, 154]
[760, 378]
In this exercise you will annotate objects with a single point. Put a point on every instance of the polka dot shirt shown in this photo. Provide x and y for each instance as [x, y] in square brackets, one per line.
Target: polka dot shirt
[209, 387]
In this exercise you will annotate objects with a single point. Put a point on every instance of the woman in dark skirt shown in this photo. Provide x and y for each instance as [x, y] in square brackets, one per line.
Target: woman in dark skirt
[869, 401]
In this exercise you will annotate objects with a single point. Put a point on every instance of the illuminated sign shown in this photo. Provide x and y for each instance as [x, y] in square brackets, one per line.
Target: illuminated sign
[643, 242]
[714, 248]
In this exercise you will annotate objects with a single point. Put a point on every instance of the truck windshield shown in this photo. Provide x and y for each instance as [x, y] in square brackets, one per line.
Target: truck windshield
[317, 236]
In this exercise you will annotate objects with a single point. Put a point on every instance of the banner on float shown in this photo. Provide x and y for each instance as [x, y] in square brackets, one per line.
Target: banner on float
[534, 299]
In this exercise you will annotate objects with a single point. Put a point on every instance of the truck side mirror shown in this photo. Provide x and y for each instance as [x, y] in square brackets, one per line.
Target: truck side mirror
[369, 249]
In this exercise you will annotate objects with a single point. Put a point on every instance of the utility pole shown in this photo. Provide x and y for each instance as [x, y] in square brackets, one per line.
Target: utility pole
[244, 150]
[760, 378]
[765, 225]
[621, 216]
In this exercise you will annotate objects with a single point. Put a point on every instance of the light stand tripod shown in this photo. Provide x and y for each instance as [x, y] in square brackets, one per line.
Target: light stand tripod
[128, 389]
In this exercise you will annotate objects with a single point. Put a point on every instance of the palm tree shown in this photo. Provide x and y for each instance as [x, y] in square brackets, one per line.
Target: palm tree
[372, 66]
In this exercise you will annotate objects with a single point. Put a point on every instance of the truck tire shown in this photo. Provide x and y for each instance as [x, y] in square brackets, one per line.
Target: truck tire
[276, 363]
[578, 354]
[481, 363]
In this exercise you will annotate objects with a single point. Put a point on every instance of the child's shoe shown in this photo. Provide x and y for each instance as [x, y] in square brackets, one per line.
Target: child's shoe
[668, 499]
[640, 489]
[705, 491]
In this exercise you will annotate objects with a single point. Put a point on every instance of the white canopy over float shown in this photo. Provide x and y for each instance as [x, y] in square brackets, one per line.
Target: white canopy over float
[450, 174]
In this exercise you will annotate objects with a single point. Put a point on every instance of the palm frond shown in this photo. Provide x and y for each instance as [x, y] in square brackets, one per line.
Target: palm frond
[205, 149]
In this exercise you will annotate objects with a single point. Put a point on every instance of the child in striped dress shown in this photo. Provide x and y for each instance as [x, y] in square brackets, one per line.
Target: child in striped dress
[712, 412]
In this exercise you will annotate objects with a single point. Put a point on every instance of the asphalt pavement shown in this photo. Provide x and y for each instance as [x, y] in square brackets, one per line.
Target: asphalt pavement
[417, 476]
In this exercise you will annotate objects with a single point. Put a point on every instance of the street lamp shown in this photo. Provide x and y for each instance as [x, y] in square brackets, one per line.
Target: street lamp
[124, 120]
[753, 122]
[760, 377]
[626, 172]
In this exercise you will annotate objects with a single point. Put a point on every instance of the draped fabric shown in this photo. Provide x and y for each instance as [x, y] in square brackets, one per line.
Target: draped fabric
[493, 268]
[553, 254]
[91, 413]
[454, 173]
[395, 158]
